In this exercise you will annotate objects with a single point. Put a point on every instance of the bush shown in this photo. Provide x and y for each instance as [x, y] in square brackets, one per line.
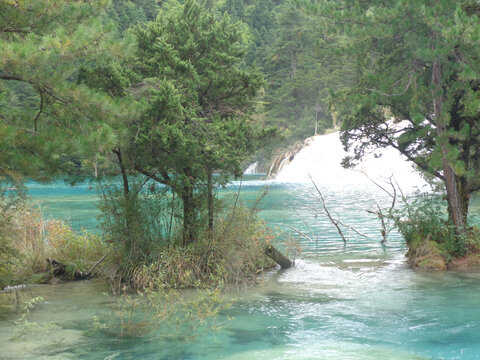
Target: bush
[424, 217]
[232, 256]
[138, 225]
[11, 206]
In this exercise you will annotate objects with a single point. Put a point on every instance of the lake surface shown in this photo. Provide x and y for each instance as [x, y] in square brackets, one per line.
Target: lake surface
[353, 301]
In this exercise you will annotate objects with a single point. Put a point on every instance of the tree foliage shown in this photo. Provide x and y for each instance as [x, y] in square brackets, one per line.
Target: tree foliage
[199, 94]
[41, 44]
[417, 87]
[193, 95]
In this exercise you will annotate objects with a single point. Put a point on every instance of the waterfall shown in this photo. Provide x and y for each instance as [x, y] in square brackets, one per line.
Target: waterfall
[251, 169]
[321, 156]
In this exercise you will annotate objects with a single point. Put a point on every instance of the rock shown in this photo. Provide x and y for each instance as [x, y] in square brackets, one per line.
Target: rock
[466, 263]
[54, 281]
[284, 158]
[426, 257]
[11, 288]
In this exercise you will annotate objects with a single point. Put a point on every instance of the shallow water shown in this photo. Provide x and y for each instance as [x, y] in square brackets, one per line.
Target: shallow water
[353, 301]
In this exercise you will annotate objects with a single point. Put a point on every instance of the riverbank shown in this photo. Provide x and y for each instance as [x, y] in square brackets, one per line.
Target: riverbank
[429, 256]
[343, 305]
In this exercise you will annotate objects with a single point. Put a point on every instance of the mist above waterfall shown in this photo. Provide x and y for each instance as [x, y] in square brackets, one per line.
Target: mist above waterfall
[321, 157]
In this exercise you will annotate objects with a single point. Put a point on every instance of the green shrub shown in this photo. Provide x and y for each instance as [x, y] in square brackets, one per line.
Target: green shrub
[139, 225]
[12, 204]
[232, 256]
[424, 217]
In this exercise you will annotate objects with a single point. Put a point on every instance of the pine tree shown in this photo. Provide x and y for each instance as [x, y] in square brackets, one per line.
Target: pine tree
[195, 96]
[417, 87]
[44, 114]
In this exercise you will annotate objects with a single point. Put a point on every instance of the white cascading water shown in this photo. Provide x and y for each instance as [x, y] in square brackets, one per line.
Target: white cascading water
[321, 157]
[251, 169]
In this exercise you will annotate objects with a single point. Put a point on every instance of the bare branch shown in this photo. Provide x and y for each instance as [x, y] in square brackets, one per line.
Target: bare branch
[332, 220]
[35, 127]
[296, 230]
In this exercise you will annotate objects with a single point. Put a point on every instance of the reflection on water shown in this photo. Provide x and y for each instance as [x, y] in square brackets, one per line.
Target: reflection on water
[358, 301]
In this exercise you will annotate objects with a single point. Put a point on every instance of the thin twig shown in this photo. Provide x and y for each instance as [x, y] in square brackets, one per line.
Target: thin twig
[296, 230]
[332, 220]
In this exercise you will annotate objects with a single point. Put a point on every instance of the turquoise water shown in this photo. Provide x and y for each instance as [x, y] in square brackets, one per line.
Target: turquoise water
[353, 301]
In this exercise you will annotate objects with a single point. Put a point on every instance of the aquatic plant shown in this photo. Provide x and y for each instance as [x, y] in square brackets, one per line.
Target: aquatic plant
[25, 326]
[162, 312]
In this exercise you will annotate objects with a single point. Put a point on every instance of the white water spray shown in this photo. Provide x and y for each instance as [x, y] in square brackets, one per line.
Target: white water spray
[321, 157]
[251, 169]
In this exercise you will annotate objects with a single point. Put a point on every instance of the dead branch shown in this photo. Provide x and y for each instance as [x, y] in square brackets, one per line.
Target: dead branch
[324, 206]
[387, 227]
[297, 231]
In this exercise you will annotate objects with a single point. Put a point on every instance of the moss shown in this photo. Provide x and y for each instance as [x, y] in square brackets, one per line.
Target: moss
[426, 256]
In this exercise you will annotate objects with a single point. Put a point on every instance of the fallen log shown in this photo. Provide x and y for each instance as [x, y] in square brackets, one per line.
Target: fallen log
[278, 257]
[60, 270]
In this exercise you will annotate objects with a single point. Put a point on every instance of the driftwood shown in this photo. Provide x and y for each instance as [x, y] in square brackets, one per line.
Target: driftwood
[60, 270]
[278, 257]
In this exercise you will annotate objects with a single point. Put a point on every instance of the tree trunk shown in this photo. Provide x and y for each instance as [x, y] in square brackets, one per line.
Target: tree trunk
[210, 201]
[456, 204]
[334, 119]
[464, 191]
[95, 167]
[129, 215]
[126, 189]
[189, 231]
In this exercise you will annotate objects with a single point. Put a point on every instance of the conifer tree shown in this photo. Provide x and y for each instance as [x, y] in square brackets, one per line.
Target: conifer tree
[196, 95]
[417, 87]
[43, 112]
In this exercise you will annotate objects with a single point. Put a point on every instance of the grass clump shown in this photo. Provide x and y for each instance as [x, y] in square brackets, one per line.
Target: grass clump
[231, 256]
[27, 240]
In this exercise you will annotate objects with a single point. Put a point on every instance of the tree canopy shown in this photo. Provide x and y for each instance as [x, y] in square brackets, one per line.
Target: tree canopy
[417, 87]
[194, 95]
[43, 111]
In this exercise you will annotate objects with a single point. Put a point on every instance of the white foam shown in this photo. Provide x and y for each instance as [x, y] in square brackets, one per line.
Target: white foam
[251, 169]
[321, 159]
